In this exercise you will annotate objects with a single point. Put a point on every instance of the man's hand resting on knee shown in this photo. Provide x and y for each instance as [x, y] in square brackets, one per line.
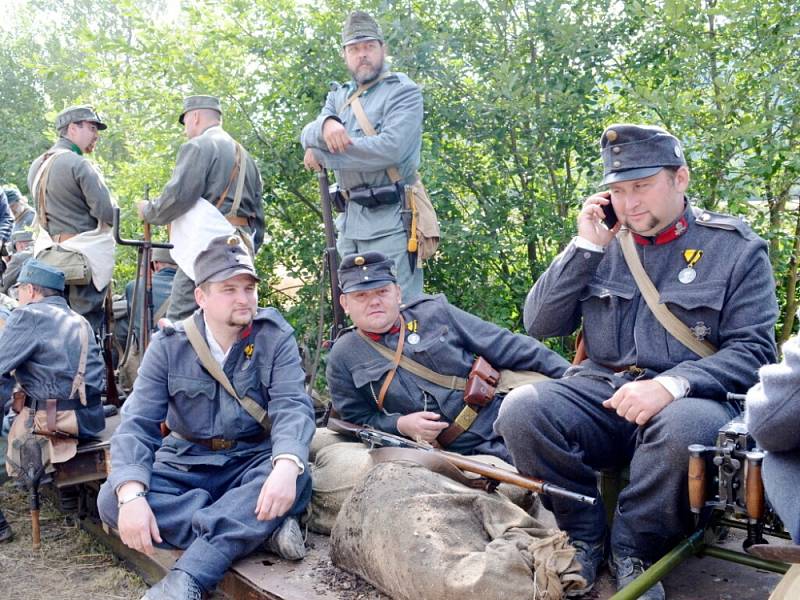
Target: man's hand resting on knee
[136, 521]
[639, 401]
[279, 491]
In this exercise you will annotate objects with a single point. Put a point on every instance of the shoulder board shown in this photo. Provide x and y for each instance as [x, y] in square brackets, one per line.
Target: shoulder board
[419, 300]
[334, 86]
[715, 220]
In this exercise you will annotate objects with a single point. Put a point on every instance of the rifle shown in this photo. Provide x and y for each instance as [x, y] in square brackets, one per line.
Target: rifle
[331, 257]
[373, 437]
[142, 262]
[112, 394]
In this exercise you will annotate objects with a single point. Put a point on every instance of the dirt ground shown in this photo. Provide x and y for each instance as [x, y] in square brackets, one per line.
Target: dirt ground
[71, 565]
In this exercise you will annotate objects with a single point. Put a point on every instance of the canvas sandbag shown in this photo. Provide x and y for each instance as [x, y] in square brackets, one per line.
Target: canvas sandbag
[336, 469]
[416, 534]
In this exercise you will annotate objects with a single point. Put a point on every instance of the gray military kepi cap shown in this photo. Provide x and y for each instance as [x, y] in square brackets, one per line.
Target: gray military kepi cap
[365, 272]
[223, 258]
[637, 151]
[76, 114]
[196, 102]
[162, 255]
[22, 235]
[360, 27]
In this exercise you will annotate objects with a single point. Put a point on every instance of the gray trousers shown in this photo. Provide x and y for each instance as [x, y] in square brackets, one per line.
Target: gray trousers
[87, 302]
[782, 480]
[181, 298]
[209, 511]
[394, 246]
[559, 431]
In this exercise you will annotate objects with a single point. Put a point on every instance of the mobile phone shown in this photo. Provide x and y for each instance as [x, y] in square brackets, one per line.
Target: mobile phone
[610, 219]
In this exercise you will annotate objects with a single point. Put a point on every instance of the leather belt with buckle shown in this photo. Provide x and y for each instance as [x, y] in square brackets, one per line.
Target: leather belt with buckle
[219, 444]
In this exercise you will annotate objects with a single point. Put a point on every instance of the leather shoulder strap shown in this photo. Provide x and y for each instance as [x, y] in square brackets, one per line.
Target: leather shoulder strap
[237, 164]
[363, 88]
[79, 381]
[677, 328]
[450, 382]
[253, 408]
[361, 117]
[39, 187]
[237, 196]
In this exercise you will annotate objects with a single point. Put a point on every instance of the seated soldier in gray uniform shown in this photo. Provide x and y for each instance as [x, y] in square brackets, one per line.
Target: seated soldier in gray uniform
[22, 250]
[209, 166]
[222, 481]
[56, 363]
[369, 388]
[647, 390]
[773, 418]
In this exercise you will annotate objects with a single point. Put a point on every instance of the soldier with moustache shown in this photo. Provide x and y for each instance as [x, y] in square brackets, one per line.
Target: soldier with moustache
[335, 140]
[438, 336]
[208, 167]
[222, 482]
[22, 250]
[641, 396]
[72, 198]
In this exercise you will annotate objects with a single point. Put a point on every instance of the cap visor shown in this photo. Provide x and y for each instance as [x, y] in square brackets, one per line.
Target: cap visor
[367, 285]
[628, 175]
[232, 272]
[100, 125]
[363, 38]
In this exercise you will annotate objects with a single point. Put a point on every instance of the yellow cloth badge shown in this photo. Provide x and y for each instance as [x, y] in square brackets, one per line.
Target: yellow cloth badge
[248, 351]
[412, 326]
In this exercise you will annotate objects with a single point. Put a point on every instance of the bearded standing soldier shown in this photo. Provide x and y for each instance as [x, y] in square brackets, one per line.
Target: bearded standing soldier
[72, 199]
[335, 139]
[208, 167]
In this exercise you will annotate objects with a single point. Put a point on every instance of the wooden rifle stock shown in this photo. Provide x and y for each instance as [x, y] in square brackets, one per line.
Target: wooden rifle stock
[374, 437]
[331, 257]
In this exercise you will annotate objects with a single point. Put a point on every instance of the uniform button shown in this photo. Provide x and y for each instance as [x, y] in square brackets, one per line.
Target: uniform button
[611, 135]
[617, 163]
[441, 339]
[706, 217]
[587, 255]
[616, 149]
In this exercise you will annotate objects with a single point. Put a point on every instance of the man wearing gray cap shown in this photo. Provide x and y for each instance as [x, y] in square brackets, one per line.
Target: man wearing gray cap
[233, 472]
[369, 387]
[24, 215]
[215, 167]
[72, 198]
[650, 385]
[56, 362]
[371, 170]
[22, 250]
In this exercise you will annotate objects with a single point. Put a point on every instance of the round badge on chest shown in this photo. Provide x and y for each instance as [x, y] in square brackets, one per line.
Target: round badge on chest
[413, 339]
[687, 275]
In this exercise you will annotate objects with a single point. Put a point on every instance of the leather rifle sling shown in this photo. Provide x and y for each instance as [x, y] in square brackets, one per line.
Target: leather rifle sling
[237, 164]
[253, 408]
[39, 186]
[398, 353]
[361, 117]
[677, 328]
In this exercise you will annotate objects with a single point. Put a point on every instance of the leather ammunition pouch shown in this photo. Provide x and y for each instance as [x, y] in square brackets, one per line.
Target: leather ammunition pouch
[371, 197]
[481, 383]
[338, 198]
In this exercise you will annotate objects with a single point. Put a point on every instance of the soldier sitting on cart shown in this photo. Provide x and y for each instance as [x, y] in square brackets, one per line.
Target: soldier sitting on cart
[228, 383]
[370, 387]
[56, 363]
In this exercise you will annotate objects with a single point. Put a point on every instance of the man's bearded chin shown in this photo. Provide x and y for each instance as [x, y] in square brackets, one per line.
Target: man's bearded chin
[241, 320]
[362, 76]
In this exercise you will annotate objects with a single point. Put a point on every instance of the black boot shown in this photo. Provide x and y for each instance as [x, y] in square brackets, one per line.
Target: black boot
[6, 535]
[177, 585]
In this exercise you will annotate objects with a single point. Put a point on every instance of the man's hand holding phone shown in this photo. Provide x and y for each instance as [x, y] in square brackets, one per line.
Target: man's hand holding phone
[597, 222]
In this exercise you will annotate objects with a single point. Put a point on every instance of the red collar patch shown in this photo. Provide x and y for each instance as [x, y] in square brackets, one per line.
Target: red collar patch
[673, 232]
[375, 337]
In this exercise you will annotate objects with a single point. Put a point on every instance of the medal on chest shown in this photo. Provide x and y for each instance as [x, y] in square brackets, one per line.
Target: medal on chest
[688, 273]
[413, 338]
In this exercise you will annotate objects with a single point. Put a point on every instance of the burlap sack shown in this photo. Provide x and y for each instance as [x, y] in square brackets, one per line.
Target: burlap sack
[336, 469]
[54, 449]
[416, 534]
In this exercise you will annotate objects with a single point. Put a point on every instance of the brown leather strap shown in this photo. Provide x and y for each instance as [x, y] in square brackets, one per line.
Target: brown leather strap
[217, 444]
[79, 381]
[238, 221]
[363, 120]
[430, 460]
[398, 353]
[460, 424]
[363, 88]
[51, 407]
[234, 172]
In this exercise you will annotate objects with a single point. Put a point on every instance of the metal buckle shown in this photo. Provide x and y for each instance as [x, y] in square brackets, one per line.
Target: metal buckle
[634, 372]
[466, 417]
[220, 444]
